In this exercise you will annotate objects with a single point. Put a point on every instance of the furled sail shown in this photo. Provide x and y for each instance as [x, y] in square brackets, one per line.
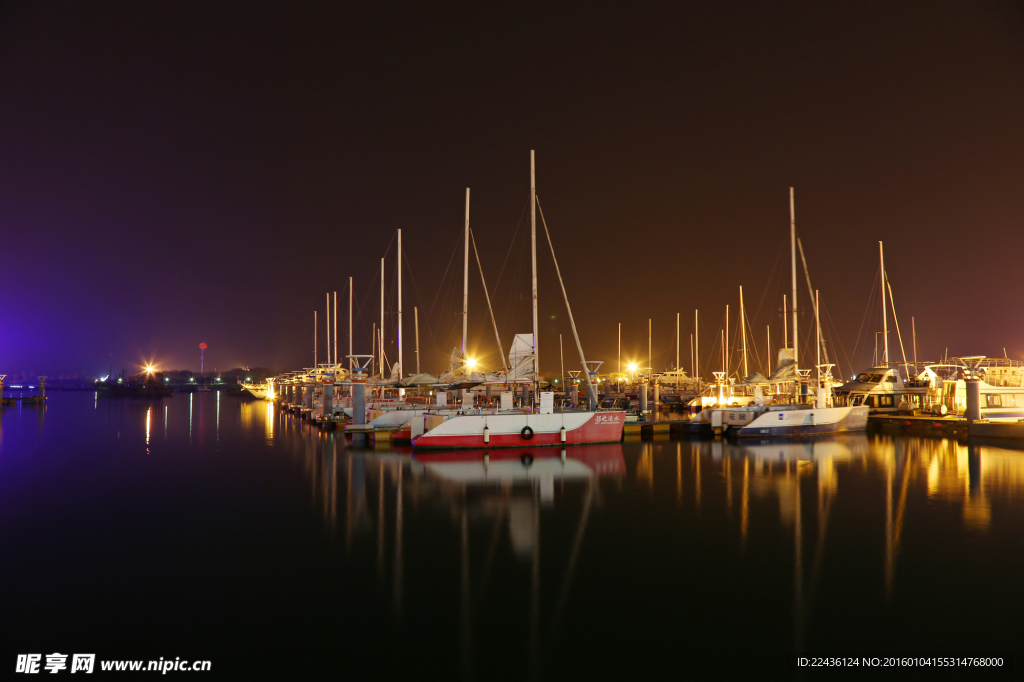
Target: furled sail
[520, 358]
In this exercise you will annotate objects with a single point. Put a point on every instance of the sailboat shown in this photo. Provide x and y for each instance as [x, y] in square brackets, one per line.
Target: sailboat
[805, 419]
[542, 427]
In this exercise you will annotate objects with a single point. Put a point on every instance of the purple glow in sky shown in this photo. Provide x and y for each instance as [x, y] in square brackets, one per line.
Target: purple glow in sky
[172, 173]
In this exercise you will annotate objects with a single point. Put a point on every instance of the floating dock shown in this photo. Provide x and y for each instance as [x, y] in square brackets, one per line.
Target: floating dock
[919, 424]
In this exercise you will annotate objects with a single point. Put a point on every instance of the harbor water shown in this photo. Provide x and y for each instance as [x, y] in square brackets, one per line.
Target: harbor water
[207, 527]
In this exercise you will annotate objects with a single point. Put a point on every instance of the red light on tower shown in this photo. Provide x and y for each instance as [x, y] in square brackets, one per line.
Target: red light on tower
[202, 349]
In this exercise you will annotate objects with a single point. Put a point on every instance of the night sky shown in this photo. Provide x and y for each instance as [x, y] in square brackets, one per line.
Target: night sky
[177, 173]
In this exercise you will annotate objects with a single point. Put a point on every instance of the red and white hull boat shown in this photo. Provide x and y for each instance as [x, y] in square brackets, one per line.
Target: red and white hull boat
[511, 430]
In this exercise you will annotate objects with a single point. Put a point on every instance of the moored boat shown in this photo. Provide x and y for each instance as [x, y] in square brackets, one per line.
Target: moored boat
[503, 428]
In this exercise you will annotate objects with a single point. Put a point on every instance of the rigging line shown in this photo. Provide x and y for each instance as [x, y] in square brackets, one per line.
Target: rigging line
[869, 308]
[510, 245]
[811, 293]
[443, 282]
[497, 338]
[514, 296]
[419, 299]
[833, 336]
[591, 387]
[444, 276]
[771, 279]
[752, 347]
[426, 317]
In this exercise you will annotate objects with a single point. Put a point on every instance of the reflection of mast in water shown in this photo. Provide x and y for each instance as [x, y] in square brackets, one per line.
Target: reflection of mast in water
[348, 506]
[696, 479]
[380, 521]
[467, 615]
[798, 565]
[727, 465]
[570, 569]
[645, 467]
[486, 483]
[535, 594]
[398, 548]
[679, 474]
[745, 504]
[894, 528]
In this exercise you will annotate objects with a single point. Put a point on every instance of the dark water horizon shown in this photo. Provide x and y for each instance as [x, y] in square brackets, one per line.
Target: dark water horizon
[209, 527]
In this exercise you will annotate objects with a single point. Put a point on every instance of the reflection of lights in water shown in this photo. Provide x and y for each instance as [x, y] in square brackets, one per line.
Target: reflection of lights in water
[149, 418]
[269, 423]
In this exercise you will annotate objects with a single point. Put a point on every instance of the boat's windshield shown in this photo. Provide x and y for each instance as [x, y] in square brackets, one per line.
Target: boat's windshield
[864, 376]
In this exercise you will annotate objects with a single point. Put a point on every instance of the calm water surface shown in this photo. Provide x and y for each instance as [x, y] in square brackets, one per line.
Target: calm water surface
[207, 527]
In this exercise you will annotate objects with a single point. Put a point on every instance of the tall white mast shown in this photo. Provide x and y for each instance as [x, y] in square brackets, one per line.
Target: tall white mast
[677, 347]
[725, 343]
[743, 331]
[785, 324]
[350, 321]
[792, 249]
[380, 332]
[885, 316]
[465, 282]
[533, 253]
[913, 331]
[401, 367]
[696, 349]
[818, 337]
[335, 327]
[416, 320]
[650, 362]
[620, 348]
[314, 338]
[328, 327]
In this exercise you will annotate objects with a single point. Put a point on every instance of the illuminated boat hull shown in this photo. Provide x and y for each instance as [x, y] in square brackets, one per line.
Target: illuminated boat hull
[806, 422]
[521, 430]
[259, 392]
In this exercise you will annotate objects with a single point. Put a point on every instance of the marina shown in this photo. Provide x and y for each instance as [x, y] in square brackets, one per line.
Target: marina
[406, 564]
[363, 342]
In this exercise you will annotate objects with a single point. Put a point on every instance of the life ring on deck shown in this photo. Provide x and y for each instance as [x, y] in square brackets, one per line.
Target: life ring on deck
[526, 433]
[526, 459]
